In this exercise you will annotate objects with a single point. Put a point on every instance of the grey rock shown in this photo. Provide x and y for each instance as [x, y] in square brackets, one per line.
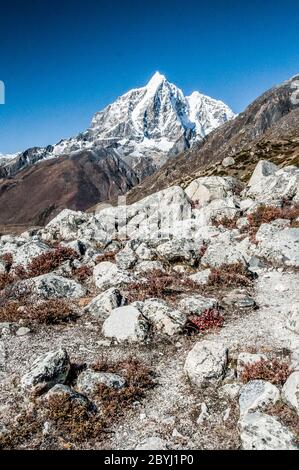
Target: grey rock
[53, 286]
[197, 304]
[105, 302]
[290, 391]
[125, 324]
[259, 431]
[230, 391]
[164, 319]
[89, 381]
[206, 363]
[46, 371]
[201, 277]
[228, 161]
[107, 274]
[23, 331]
[257, 394]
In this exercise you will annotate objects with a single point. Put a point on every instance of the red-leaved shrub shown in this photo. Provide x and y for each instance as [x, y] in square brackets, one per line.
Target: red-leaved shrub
[210, 319]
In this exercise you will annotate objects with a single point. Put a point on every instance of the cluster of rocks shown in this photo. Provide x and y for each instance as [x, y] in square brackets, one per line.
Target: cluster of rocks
[171, 231]
[207, 363]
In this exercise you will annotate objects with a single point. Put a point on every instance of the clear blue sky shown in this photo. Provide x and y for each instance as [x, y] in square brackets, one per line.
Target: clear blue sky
[61, 61]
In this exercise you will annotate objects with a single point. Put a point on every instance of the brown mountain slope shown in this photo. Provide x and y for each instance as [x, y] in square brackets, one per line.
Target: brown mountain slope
[78, 181]
[268, 128]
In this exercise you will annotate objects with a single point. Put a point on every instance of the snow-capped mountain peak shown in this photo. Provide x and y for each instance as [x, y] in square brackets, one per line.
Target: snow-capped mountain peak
[150, 123]
[155, 81]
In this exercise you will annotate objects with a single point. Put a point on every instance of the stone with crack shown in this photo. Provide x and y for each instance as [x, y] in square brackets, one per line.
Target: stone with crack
[104, 303]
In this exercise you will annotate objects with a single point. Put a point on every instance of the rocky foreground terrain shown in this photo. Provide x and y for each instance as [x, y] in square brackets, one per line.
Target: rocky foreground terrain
[171, 323]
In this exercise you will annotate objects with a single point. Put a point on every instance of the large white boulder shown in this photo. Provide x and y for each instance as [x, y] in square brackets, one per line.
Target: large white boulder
[206, 363]
[268, 183]
[66, 225]
[159, 210]
[217, 210]
[260, 431]
[205, 189]
[125, 324]
[23, 253]
[223, 252]
[278, 245]
[263, 169]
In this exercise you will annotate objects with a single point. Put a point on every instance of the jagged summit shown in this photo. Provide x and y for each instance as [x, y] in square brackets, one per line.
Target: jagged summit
[154, 122]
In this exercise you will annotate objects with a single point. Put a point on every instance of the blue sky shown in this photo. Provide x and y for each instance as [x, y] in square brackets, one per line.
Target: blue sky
[62, 61]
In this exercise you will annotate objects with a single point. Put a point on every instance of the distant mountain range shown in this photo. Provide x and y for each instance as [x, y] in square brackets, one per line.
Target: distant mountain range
[148, 139]
[153, 122]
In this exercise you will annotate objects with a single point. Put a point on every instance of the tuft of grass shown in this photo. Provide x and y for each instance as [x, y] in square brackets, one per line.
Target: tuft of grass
[108, 256]
[139, 379]
[230, 275]
[266, 214]
[227, 222]
[273, 371]
[82, 273]
[6, 279]
[48, 312]
[287, 416]
[7, 259]
[160, 285]
[73, 419]
[50, 260]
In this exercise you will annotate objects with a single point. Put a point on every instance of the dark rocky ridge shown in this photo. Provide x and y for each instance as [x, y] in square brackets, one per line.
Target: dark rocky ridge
[78, 181]
[268, 128]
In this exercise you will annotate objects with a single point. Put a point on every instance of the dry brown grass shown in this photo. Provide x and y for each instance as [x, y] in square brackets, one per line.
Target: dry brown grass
[139, 379]
[108, 256]
[6, 279]
[82, 274]
[160, 285]
[7, 259]
[227, 222]
[286, 416]
[267, 214]
[230, 275]
[49, 312]
[20, 432]
[74, 422]
[273, 371]
[50, 260]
